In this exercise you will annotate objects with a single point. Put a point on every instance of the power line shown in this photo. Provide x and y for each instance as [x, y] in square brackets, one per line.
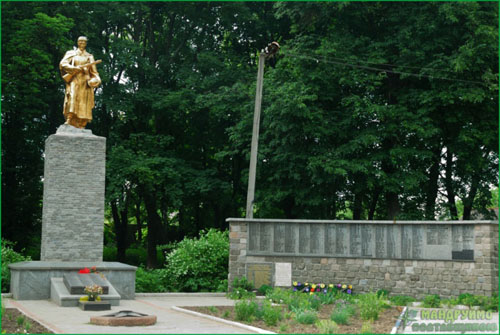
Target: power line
[371, 68]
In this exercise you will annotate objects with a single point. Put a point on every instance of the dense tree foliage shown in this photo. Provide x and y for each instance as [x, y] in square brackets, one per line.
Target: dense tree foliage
[373, 111]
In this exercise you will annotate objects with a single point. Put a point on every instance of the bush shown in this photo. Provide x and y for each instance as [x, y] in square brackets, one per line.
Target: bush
[109, 254]
[270, 314]
[150, 281]
[432, 301]
[246, 310]
[340, 316]
[401, 300]
[370, 305]
[241, 289]
[9, 256]
[264, 289]
[306, 317]
[137, 256]
[383, 294]
[280, 296]
[327, 327]
[199, 264]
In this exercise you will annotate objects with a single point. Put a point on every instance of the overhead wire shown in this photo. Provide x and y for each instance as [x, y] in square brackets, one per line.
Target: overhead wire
[371, 68]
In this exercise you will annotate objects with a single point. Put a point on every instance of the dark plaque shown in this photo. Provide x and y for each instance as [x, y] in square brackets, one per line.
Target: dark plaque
[464, 255]
[94, 305]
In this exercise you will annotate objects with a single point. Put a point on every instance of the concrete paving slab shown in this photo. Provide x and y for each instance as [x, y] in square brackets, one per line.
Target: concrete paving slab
[63, 320]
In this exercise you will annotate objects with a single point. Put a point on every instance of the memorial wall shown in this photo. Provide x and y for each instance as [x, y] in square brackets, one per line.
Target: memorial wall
[406, 257]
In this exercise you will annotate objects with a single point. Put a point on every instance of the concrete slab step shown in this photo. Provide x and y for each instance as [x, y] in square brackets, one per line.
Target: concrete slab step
[60, 294]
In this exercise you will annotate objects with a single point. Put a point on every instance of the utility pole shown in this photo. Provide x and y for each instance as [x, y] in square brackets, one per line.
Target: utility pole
[270, 51]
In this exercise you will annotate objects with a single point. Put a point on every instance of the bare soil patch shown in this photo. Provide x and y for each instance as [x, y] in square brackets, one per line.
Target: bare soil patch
[387, 319]
[15, 322]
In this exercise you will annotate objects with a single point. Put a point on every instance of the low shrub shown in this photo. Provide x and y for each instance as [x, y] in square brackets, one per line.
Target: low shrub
[199, 264]
[401, 300]
[9, 256]
[383, 294]
[490, 303]
[246, 310]
[327, 327]
[270, 314]
[306, 317]
[149, 281]
[241, 289]
[109, 254]
[432, 301]
[280, 296]
[264, 289]
[370, 305]
[340, 316]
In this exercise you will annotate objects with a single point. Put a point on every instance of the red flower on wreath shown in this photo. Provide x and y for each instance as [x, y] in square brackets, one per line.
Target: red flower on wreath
[84, 270]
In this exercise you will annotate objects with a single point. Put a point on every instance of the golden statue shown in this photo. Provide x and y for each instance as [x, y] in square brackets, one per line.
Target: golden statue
[79, 71]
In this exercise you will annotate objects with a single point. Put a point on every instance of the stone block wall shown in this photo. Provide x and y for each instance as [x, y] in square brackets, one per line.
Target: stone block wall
[413, 277]
[73, 196]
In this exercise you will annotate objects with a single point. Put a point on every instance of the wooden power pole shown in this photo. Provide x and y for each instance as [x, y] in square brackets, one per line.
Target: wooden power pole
[271, 49]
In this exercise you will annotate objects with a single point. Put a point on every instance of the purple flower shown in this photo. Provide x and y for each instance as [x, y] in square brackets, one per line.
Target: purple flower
[295, 289]
[349, 291]
[324, 291]
[307, 289]
[299, 284]
[339, 286]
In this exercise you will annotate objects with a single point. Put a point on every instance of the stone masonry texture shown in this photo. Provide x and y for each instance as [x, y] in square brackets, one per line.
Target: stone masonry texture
[417, 278]
[73, 197]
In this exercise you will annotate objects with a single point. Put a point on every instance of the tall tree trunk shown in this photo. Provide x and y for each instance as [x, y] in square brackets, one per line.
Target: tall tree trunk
[358, 206]
[449, 184]
[392, 205]
[469, 201]
[288, 205]
[153, 224]
[373, 203]
[139, 220]
[121, 222]
[432, 186]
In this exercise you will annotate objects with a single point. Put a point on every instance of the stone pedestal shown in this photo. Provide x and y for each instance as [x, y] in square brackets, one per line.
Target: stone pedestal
[73, 196]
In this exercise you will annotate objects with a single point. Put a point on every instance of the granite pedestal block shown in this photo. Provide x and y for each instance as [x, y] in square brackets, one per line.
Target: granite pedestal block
[73, 196]
[32, 280]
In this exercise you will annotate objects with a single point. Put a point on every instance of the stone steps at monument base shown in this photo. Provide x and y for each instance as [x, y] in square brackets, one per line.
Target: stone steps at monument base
[60, 294]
